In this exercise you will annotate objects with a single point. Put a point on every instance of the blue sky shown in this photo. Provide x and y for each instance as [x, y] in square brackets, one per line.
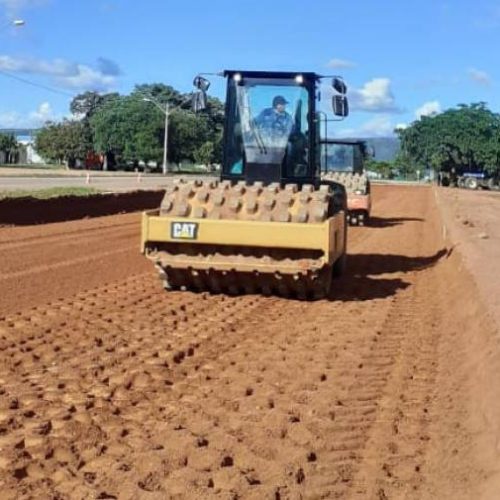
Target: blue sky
[399, 58]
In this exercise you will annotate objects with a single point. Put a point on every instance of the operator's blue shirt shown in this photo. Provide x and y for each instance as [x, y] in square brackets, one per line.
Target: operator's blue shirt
[275, 124]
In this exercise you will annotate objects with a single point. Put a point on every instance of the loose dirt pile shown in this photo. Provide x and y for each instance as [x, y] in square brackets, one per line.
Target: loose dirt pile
[29, 211]
[110, 388]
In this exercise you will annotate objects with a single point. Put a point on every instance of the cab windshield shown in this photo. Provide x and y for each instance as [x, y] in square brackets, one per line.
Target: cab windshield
[267, 124]
[342, 158]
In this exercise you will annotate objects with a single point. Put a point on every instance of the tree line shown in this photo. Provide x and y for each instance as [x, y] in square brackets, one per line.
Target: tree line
[126, 129]
[467, 136]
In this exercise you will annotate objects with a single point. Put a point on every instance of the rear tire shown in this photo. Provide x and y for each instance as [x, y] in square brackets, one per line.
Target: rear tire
[471, 183]
[492, 184]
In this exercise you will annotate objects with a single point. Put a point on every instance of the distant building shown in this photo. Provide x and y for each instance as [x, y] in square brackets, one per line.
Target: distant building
[31, 156]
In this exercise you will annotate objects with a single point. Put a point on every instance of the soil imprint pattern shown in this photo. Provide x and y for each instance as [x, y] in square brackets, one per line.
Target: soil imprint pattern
[120, 390]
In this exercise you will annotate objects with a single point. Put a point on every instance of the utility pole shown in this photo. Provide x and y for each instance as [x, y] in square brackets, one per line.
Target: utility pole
[165, 143]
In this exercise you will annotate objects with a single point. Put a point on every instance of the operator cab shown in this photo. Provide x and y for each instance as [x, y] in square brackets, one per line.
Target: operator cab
[271, 131]
[343, 155]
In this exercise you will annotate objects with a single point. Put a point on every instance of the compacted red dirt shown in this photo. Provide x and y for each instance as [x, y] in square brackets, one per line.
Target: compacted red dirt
[112, 388]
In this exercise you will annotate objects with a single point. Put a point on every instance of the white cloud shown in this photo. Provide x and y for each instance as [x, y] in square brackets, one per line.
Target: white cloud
[57, 67]
[88, 78]
[401, 126]
[429, 108]
[14, 6]
[379, 126]
[34, 119]
[375, 96]
[67, 74]
[43, 114]
[479, 76]
[340, 64]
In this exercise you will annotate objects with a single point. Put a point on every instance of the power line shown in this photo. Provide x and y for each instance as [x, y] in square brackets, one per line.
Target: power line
[35, 84]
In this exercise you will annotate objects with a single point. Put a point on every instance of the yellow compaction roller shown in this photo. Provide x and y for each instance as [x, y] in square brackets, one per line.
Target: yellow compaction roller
[269, 224]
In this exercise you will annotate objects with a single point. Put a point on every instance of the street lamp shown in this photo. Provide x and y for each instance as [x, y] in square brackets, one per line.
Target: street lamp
[13, 23]
[166, 112]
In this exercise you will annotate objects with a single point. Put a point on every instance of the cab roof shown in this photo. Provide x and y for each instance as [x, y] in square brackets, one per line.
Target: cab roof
[307, 75]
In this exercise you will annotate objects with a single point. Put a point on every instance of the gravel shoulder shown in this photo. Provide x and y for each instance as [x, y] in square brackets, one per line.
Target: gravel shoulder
[472, 220]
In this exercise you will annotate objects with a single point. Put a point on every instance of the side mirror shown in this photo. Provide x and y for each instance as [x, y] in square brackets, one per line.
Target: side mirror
[201, 83]
[199, 101]
[340, 105]
[339, 85]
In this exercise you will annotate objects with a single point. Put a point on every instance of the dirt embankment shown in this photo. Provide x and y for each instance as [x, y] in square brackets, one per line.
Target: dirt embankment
[29, 211]
[111, 388]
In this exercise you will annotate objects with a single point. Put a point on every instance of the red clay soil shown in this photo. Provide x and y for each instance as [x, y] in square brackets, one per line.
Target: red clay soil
[29, 211]
[112, 388]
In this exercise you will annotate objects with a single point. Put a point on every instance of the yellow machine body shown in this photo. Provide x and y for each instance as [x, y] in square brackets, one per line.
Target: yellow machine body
[326, 238]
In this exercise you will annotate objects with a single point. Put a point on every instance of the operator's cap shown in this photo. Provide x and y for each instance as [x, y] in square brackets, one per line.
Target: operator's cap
[279, 99]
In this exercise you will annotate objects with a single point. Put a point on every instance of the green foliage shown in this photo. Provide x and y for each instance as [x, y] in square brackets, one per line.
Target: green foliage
[467, 136]
[89, 102]
[161, 93]
[188, 134]
[66, 141]
[133, 130]
[10, 147]
[205, 153]
[384, 168]
[45, 194]
[129, 128]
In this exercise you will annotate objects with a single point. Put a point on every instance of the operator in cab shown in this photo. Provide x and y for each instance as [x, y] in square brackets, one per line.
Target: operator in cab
[276, 121]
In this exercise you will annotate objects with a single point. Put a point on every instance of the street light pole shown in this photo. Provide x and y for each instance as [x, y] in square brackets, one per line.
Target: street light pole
[166, 112]
[165, 143]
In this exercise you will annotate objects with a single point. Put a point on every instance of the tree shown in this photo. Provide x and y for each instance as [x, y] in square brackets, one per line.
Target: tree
[66, 141]
[134, 130]
[383, 168]
[187, 134]
[205, 153]
[129, 128]
[9, 147]
[86, 104]
[467, 136]
[161, 93]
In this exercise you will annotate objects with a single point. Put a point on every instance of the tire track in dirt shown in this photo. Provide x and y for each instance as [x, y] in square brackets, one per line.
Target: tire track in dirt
[126, 391]
[79, 372]
[50, 267]
[89, 232]
[77, 255]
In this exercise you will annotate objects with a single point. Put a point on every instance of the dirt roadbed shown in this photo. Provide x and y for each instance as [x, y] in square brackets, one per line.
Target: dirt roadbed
[30, 211]
[112, 388]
